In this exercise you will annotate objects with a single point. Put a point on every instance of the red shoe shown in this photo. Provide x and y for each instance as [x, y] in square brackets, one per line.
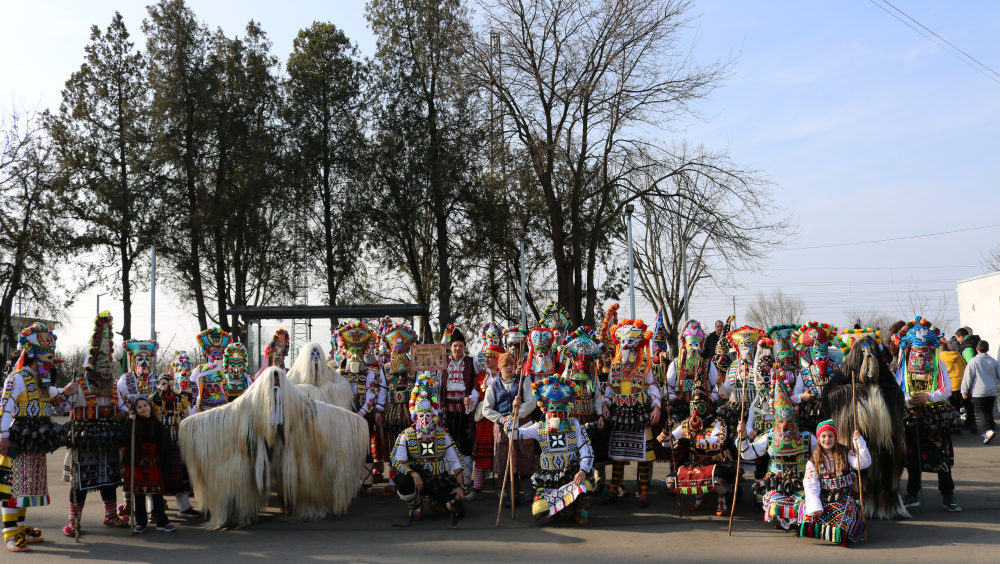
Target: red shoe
[699, 502]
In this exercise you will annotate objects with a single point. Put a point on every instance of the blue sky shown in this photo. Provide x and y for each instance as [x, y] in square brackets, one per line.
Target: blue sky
[868, 130]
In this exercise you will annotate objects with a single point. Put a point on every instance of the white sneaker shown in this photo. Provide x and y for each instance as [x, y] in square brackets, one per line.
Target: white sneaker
[988, 437]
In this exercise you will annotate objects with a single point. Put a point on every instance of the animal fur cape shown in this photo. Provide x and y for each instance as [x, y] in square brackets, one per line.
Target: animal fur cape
[273, 438]
[318, 381]
[881, 405]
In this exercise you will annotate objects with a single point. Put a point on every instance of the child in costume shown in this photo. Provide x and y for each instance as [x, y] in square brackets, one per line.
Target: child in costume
[561, 485]
[510, 394]
[832, 509]
[152, 459]
[425, 458]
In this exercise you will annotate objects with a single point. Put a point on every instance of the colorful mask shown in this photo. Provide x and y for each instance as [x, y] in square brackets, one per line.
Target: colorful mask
[556, 396]
[400, 338]
[784, 350]
[813, 341]
[918, 340]
[140, 356]
[234, 362]
[355, 337]
[701, 410]
[744, 340]
[213, 343]
[277, 349]
[659, 342]
[424, 407]
[555, 317]
[39, 343]
[492, 337]
[211, 393]
[693, 336]
[786, 440]
[540, 341]
[102, 345]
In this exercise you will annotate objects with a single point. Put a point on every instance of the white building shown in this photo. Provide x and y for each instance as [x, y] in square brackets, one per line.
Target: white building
[979, 307]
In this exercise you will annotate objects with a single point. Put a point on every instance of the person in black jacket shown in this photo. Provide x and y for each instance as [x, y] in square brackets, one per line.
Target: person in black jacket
[148, 466]
[712, 341]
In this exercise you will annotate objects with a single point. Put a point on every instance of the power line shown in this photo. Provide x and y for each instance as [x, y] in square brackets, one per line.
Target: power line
[893, 239]
[875, 267]
[977, 69]
[942, 38]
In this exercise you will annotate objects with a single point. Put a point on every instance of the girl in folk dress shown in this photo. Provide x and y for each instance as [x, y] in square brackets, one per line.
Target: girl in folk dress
[153, 457]
[831, 491]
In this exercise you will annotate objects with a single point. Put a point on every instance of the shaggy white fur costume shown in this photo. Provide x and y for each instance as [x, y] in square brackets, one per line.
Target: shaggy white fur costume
[317, 381]
[273, 438]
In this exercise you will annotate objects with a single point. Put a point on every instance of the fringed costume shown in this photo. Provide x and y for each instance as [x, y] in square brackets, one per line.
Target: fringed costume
[813, 340]
[788, 450]
[865, 379]
[312, 376]
[307, 452]
[27, 410]
[425, 453]
[633, 402]
[560, 484]
[93, 460]
[831, 490]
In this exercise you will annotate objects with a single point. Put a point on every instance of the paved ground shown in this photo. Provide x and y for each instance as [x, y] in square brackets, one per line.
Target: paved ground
[615, 533]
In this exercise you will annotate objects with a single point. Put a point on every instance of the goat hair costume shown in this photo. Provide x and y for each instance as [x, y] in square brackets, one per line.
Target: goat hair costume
[312, 376]
[880, 408]
[309, 452]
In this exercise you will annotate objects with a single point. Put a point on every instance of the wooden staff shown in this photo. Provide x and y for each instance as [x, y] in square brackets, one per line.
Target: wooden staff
[72, 478]
[510, 453]
[739, 458]
[861, 495]
[132, 500]
[673, 450]
[509, 467]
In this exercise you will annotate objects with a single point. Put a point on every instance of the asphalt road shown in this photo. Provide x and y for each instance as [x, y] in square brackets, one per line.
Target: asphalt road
[615, 533]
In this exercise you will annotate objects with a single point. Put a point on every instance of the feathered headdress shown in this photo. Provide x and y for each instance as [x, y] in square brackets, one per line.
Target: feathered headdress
[423, 397]
[102, 344]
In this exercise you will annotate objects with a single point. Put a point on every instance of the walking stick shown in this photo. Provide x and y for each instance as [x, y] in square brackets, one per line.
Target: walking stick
[72, 478]
[861, 495]
[673, 456]
[510, 453]
[131, 474]
[739, 458]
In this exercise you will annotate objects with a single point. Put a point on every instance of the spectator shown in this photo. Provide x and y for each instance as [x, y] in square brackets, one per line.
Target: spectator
[966, 343]
[712, 341]
[956, 370]
[893, 347]
[982, 376]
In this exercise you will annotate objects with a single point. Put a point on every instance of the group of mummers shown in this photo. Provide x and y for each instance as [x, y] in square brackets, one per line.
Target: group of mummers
[546, 410]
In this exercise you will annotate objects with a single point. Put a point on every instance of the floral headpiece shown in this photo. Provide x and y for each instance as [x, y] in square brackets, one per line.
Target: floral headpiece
[423, 397]
[235, 352]
[37, 338]
[210, 373]
[851, 336]
[213, 342]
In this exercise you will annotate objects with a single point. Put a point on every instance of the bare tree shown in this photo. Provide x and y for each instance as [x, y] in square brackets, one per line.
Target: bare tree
[991, 260]
[920, 303]
[776, 308]
[724, 231]
[580, 81]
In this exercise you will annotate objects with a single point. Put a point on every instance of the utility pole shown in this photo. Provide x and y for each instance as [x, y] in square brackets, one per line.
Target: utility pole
[152, 295]
[629, 208]
[524, 302]
[99, 304]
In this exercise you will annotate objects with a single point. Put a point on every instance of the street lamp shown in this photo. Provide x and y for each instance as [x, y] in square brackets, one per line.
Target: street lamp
[629, 208]
[99, 304]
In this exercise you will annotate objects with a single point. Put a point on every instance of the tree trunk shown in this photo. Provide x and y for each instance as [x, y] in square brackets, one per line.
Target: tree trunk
[192, 191]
